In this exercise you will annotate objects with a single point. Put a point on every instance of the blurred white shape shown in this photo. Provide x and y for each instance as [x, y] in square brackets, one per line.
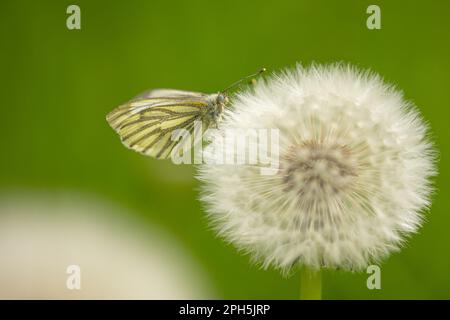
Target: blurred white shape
[41, 235]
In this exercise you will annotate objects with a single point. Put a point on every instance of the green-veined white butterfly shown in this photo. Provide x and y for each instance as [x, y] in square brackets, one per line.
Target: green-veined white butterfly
[146, 123]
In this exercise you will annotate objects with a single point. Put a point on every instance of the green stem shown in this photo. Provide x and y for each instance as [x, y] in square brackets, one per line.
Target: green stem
[310, 284]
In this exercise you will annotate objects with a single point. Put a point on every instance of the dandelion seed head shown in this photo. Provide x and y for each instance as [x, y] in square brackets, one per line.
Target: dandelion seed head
[354, 172]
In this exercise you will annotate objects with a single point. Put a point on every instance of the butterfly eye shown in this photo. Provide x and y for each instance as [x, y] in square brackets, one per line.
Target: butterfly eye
[222, 99]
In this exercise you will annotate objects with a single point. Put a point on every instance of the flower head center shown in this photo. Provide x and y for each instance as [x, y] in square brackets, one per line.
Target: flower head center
[316, 169]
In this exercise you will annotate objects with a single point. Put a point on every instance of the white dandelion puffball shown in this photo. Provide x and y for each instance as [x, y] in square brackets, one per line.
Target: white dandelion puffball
[353, 176]
[45, 234]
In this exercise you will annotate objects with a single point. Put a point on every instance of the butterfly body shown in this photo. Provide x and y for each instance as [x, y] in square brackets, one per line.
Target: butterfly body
[149, 122]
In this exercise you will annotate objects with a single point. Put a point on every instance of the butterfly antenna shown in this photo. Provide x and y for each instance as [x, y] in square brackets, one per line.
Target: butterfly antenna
[243, 79]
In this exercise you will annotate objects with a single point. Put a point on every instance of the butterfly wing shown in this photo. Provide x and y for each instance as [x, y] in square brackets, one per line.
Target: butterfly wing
[146, 124]
[168, 93]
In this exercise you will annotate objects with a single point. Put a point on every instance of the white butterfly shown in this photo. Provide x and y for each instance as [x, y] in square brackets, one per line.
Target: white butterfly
[145, 124]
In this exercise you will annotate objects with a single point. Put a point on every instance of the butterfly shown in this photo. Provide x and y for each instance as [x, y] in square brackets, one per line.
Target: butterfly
[147, 123]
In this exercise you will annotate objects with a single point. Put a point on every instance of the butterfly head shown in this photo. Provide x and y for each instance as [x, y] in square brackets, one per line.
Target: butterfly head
[222, 99]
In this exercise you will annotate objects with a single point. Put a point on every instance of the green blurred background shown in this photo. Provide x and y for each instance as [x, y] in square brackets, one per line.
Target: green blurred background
[57, 86]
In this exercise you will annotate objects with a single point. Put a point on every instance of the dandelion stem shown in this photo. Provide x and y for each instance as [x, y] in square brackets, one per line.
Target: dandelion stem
[310, 284]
